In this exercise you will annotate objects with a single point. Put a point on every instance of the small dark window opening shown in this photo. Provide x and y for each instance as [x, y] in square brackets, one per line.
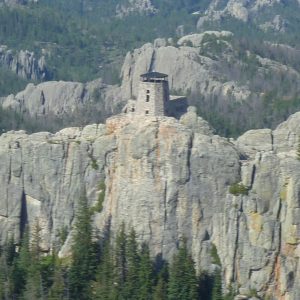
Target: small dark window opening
[148, 91]
[147, 98]
[132, 110]
[147, 112]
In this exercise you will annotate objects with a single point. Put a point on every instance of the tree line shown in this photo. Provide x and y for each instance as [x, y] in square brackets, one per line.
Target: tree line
[101, 269]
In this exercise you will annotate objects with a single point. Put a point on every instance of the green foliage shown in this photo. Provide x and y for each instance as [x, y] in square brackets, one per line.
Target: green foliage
[10, 83]
[94, 163]
[101, 196]
[103, 287]
[183, 279]
[84, 40]
[212, 46]
[230, 295]
[62, 235]
[217, 293]
[145, 274]
[238, 189]
[83, 253]
[122, 269]
[58, 287]
[217, 286]
[214, 255]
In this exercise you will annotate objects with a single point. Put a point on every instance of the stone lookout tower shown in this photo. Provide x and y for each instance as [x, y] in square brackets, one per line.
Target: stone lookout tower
[153, 94]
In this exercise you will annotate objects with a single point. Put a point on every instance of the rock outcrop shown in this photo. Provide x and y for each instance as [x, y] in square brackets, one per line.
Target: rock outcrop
[242, 10]
[60, 97]
[135, 6]
[168, 179]
[17, 2]
[25, 64]
[206, 65]
[188, 70]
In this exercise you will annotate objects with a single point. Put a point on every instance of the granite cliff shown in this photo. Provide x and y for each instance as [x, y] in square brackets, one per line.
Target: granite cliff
[216, 73]
[17, 2]
[25, 64]
[207, 64]
[62, 98]
[168, 179]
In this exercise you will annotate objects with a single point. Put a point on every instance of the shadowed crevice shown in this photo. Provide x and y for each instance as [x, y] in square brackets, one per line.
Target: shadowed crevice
[23, 215]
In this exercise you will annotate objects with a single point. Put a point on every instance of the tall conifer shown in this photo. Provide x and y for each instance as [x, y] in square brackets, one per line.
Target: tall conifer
[83, 254]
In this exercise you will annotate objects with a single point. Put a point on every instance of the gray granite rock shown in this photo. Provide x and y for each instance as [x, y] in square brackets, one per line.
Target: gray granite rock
[168, 179]
[59, 98]
[25, 64]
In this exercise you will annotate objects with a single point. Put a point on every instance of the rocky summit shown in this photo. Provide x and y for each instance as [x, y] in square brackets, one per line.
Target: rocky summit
[168, 179]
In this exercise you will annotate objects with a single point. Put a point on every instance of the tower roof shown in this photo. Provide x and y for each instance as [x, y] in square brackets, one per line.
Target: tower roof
[154, 76]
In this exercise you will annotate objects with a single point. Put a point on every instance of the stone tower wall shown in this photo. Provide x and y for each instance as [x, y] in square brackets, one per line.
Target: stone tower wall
[158, 93]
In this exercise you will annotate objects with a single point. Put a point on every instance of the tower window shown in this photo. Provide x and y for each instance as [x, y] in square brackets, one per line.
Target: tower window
[132, 109]
[148, 91]
[147, 112]
[147, 98]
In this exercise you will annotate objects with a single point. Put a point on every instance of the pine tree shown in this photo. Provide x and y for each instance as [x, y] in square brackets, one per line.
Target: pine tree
[183, 280]
[217, 286]
[57, 289]
[145, 273]
[10, 251]
[3, 278]
[83, 254]
[103, 287]
[34, 287]
[21, 265]
[131, 287]
[161, 288]
[7, 257]
[120, 262]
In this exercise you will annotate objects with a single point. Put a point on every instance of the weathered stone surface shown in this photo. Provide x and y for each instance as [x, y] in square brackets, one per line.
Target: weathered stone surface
[60, 97]
[17, 2]
[135, 6]
[167, 179]
[189, 71]
[240, 9]
[255, 140]
[25, 64]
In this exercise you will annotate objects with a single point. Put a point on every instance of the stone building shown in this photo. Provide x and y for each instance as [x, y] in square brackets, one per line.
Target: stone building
[154, 98]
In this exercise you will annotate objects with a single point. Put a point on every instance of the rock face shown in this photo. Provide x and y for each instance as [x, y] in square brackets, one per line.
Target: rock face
[59, 98]
[17, 2]
[207, 67]
[24, 63]
[168, 179]
[242, 10]
[188, 70]
[135, 6]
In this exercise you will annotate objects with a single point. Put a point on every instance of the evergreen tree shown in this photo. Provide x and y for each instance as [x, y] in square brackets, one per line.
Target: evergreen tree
[131, 287]
[145, 273]
[217, 286]
[3, 278]
[217, 277]
[83, 254]
[10, 251]
[103, 287]
[183, 280]
[21, 265]
[7, 257]
[120, 263]
[205, 286]
[57, 289]
[34, 286]
[161, 288]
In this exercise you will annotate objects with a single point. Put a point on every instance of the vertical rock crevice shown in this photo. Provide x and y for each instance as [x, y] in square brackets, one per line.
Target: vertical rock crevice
[23, 215]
